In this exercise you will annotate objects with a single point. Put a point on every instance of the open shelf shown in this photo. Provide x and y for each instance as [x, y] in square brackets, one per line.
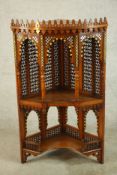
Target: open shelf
[66, 98]
[56, 139]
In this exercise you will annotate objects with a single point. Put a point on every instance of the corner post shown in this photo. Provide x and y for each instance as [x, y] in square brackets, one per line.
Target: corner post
[62, 114]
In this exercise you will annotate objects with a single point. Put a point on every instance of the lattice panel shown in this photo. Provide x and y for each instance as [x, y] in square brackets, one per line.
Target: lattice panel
[66, 66]
[70, 40]
[52, 73]
[72, 132]
[72, 73]
[92, 143]
[23, 71]
[53, 132]
[33, 143]
[36, 138]
[29, 68]
[47, 40]
[69, 69]
[56, 64]
[33, 67]
[97, 68]
[91, 66]
[87, 65]
[53, 67]
[48, 71]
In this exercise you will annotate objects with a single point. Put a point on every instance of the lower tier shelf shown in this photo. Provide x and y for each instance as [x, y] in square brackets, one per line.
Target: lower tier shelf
[56, 139]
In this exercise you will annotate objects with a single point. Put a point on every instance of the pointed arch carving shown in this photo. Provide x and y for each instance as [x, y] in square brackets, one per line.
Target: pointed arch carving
[96, 117]
[29, 68]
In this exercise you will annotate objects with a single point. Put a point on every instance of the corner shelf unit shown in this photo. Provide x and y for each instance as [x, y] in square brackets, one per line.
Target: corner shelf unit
[60, 63]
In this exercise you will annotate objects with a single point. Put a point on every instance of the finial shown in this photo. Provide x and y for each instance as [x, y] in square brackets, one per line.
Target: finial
[100, 21]
[90, 22]
[55, 22]
[17, 22]
[73, 22]
[32, 23]
[49, 23]
[79, 22]
[61, 22]
[105, 20]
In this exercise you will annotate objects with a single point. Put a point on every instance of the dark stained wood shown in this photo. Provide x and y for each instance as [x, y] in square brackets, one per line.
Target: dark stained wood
[48, 75]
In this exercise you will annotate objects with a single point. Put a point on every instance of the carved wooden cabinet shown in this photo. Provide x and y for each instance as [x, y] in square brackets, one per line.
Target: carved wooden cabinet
[60, 63]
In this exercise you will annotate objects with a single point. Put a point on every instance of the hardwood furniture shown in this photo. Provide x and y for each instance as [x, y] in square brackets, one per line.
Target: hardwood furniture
[60, 63]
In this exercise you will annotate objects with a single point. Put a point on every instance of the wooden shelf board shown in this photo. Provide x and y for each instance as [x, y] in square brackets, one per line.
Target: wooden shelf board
[58, 142]
[61, 141]
[58, 98]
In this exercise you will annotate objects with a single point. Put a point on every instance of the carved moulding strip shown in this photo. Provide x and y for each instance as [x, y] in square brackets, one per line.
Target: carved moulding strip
[31, 106]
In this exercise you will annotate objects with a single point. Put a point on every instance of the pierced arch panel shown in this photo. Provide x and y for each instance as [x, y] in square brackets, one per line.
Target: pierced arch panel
[29, 67]
[97, 68]
[91, 122]
[23, 70]
[69, 69]
[32, 122]
[59, 72]
[33, 67]
[91, 66]
[87, 65]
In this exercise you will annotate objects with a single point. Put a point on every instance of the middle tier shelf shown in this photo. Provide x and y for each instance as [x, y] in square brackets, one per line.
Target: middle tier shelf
[60, 98]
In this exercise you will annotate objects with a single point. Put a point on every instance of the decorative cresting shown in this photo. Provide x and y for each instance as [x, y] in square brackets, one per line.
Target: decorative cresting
[55, 26]
[60, 63]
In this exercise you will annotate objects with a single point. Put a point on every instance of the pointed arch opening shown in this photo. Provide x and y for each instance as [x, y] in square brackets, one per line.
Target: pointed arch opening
[91, 122]
[29, 68]
[72, 116]
[52, 117]
[91, 66]
[32, 123]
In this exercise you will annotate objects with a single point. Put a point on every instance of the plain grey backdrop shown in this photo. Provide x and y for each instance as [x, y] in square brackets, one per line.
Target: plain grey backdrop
[63, 162]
